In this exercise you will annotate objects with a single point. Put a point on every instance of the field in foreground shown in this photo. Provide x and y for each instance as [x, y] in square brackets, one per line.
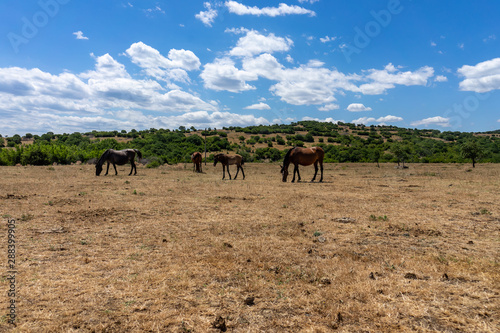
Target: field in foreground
[370, 249]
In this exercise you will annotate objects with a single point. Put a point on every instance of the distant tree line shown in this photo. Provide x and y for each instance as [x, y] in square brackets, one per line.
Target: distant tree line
[341, 143]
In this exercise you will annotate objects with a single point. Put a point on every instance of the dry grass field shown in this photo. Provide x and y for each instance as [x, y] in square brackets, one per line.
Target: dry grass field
[368, 250]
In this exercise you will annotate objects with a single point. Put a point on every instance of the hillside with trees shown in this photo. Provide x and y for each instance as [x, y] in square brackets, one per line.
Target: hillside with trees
[342, 142]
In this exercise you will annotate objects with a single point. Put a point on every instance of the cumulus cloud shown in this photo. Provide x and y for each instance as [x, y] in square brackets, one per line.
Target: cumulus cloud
[437, 121]
[326, 120]
[329, 107]
[174, 67]
[441, 78]
[258, 106]
[282, 10]
[482, 77]
[380, 120]
[389, 119]
[208, 16]
[390, 76]
[222, 74]
[358, 107]
[32, 92]
[363, 120]
[79, 35]
[255, 43]
[44, 122]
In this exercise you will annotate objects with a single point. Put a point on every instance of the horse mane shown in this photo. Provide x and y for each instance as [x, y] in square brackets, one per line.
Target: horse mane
[286, 160]
[103, 158]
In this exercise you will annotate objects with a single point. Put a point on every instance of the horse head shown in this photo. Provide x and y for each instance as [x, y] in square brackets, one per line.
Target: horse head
[98, 169]
[216, 159]
[284, 172]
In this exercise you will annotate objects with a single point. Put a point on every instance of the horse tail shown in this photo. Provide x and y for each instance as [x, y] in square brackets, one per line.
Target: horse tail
[139, 154]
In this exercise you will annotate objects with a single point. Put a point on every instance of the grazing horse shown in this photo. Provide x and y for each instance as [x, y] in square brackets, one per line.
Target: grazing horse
[226, 161]
[303, 156]
[196, 158]
[119, 157]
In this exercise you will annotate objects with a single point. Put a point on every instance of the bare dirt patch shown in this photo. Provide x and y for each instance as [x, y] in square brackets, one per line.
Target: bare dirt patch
[169, 250]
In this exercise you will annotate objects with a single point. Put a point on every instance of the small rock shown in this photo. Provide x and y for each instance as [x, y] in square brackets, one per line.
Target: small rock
[372, 276]
[228, 245]
[250, 300]
[325, 280]
[445, 277]
[411, 276]
[220, 323]
[470, 242]
[345, 220]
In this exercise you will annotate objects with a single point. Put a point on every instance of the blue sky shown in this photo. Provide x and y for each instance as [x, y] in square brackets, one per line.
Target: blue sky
[75, 66]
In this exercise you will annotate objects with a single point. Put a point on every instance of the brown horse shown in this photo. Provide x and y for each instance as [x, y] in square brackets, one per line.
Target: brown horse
[226, 161]
[196, 158]
[303, 156]
[119, 157]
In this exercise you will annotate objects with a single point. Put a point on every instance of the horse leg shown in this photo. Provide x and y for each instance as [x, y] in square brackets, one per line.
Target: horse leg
[116, 171]
[242, 172]
[315, 171]
[132, 167]
[227, 166]
[223, 171]
[295, 170]
[237, 170]
[321, 166]
[298, 173]
[107, 169]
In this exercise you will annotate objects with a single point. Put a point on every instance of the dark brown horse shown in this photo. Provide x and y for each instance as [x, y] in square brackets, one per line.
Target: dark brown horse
[196, 158]
[226, 161]
[303, 156]
[119, 157]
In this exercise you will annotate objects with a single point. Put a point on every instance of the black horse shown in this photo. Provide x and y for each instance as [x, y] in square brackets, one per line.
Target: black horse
[119, 157]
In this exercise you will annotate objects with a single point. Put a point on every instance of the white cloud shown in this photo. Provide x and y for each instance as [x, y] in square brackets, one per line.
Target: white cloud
[237, 31]
[390, 76]
[357, 107]
[259, 106]
[326, 120]
[79, 35]
[329, 107]
[223, 75]
[310, 1]
[283, 9]
[254, 43]
[94, 92]
[437, 121]
[441, 78]
[122, 119]
[489, 38]
[483, 77]
[389, 119]
[156, 9]
[208, 16]
[154, 64]
[327, 39]
[363, 120]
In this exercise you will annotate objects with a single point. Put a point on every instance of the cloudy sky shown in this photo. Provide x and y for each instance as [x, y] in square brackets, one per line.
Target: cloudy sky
[68, 65]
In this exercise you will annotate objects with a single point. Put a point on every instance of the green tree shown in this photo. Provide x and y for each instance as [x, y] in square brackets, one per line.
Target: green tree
[471, 149]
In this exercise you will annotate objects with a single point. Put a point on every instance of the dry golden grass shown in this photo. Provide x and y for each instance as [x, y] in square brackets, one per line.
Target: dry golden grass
[370, 249]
